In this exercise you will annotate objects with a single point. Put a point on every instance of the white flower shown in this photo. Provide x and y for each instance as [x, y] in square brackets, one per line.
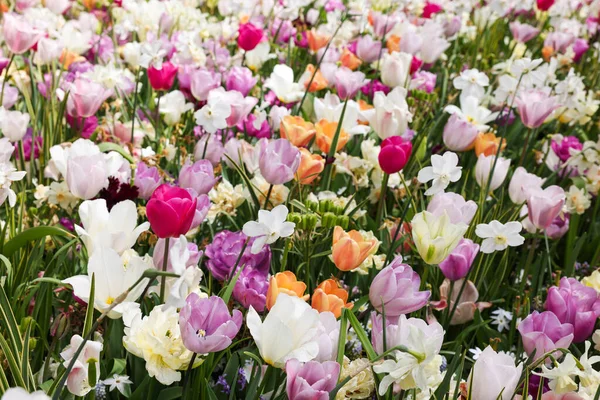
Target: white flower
[289, 331]
[390, 115]
[281, 82]
[18, 393]
[8, 175]
[13, 124]
[502, 319]
[330, 108]
[497, 236]
[476, 352]
[523, 69]
[172, 105]
[113, 276]
[472, 83]
[115, 229]
[118, 382]
[189, 277]
[395, 69]
[561, 377]
[152, 54]
[444, 169]
[578, 200]
[471, 111]
[59, 194]
[271, 226]
[77, 381]
[485, 165]
[256, 57]
[213, 116]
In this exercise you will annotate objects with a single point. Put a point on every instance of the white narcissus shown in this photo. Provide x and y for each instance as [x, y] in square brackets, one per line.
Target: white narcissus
[290, 330]
[173, 105]
[494, 374]
[77, 381]
[444, 169]
[471, 82]
[435, 236]
[213, 116]
[271, 226]
[8, 175]
[281, 82]
[497, 236]
[471, 111]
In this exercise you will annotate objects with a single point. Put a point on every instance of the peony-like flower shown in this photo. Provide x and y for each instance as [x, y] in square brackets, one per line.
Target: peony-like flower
[436, 237]
[329, 296]
[285, 282]
[362, 383]
[350, 249]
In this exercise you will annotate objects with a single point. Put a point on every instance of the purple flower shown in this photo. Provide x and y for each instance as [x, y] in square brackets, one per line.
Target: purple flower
[282, 30]
[543, 332]
[240, 79]
[251, 289]
[202, 207]
[67, 223]
[396, 288]
[279, 161]
[458, 263]
[249, 126]
[146, 180]
[206, 325]
[225, 249]
[198, 176]
[563, 148]
[576, 304]
[28, 144]
[311, 380]
[423, 80]
[559, 226]
[374, 86]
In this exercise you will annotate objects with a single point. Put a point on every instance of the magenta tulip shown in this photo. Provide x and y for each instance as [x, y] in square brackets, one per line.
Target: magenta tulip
[543, 332]
[394, 154]
[312, 380]
[249, 36]
[458, 263]
[171, 211]
[163, 78]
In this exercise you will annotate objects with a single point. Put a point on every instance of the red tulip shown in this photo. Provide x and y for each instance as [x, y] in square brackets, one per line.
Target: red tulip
[544, 5]
[170, 211]
[162, 79]
[394, 154]
[249, 36]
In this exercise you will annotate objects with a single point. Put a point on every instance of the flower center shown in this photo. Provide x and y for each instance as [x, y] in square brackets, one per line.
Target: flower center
[110, 300]
[500, 239]
[201, 332]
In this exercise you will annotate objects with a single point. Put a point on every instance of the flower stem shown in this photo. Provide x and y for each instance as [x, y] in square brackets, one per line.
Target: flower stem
[12, 57]
[384, 183]
[267, 198]
[333, 149]
[164, 268]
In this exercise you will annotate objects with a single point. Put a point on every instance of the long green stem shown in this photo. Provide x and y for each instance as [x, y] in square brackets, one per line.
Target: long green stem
[163, 280]
[333, 149]
[381, 205]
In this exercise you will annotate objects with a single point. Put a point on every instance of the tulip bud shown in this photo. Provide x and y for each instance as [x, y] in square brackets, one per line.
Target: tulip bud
[458, 263]
[394, 154]
[309, 221]
[296, 218]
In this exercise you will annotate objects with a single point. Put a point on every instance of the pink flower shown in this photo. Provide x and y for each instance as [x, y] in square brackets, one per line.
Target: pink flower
[459, 135]
[240, 79]
[198, 176]
[394, 154]
[544, 205]
[347, 82]
[544, 5]
[453, 204]
[85, 98]
[543, 332]
[466, 305]
[163, 78]
[579, 48]
[523, 32]
[367, 49]
[202, 82]
[458, 263]
[278, 161]
[249, 36]
[19, 34]
[535, 106]
[311, 380]
[430, 9]
[171, 211]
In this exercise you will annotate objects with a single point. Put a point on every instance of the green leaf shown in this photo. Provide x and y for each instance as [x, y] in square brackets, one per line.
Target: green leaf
[342, 338]
[211, 393]
[9, 322]
[30, 235]
[140, 391]
[13, 366]
[119, 365]
[231, 285]
[89, 314]
[25, 356]
[106, 147]
[362, 336]
[171, 393]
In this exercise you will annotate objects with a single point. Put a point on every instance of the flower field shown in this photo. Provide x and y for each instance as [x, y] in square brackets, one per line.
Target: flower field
[299, 199]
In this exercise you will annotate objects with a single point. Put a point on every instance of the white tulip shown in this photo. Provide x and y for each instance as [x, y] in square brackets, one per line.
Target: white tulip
[492, 374]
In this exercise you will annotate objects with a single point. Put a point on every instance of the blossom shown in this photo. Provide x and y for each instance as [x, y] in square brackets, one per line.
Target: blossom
[436, 237]
[484, 167]
[312, 380]
[390, 115]
[118, 382]
[522, 184]
[498, 236]
[285, 282]
[502, 319]
[18, 393]
[213, 116]
[350, 249]
[78, 379]
[493, 376]
[278, 161]
[271, 225]
[543, 332]
[470, 110]
[281, 82]
[8, 175]
[453, 204]
[329, 296]
[471, 82]
[561, 378]
[444, 169]
[173, 105]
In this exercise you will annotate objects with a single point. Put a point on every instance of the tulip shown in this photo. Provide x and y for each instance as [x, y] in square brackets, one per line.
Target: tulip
[279, 161]
[86, 175]
[523, 33]
[85, 98]
[198, 176]
[202, 82]
[240, 79]
[249, 36]
[159, 253]
[390, 116]
[459, 135]
[394, 154]
[18, 393]
[535, 106]
[19, 34]
[484, 167]
[170, 211]
[522, 184]
[326, 131]
[436, 237]
[430, 9]
[423, 80]
[558, 227]
[147, 179]
[296, 130]
[163, 78]
[494, 376]
[209, 147]
[206, 324]
[488, 144]
[288, 332]
[464, 306]
[395, 69]
[349, 60]
[13, 124]
[395, 290]
[543, 332]
[252, 126]
[454, 205]
[576, 304]
[312, 380]
[562, 146]
[251, 288]
[350, 249]
[311, 165]
[544, 205]
[316, 40]
[458, 263]
[329, 296]
[367, 49]
[285, 282]
[579, 48]
[544, 5]
[347, 83]
[319, 82]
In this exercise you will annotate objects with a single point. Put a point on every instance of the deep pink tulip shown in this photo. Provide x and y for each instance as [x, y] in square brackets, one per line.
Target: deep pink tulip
[535, 106]
[458, 263]
[430, 9]
[163, 78]
[523, 32]
[85, 98]
[394, 154]
[206, 324]
[312, 380]
[576, 304]
[396, 290]
[579, 48]
[544, 5]
[19, 34]
[278, 161]
[249, 36]
[543, 332]
[544, 205]
[171, 211]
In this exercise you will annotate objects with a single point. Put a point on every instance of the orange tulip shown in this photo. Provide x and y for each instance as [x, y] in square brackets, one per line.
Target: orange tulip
[311, 165]
[89, 4]
[350, 249]
[325, 133]
[393, 43]
[363, 105]
[67, 58]
[296, 130]
[329, 296]
[547, 53]
[487, 144]
[318, 82]
[316, 40]
[285, 282]
[349, 60]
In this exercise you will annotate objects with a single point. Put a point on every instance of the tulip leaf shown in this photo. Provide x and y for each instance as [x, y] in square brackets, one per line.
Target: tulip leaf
[342, 339]
[362, 336]
[30, 235]
[25, 356]
[89, 314]
[107, 147]
[171, 393]
[231, 285]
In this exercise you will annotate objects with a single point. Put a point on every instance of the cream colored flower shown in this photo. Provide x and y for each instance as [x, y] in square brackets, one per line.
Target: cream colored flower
[58, 194]
[435, 237]
[373, 260]
[578, 200]
[225, 198]
[361, 385]
[593, 281]
[279, 193]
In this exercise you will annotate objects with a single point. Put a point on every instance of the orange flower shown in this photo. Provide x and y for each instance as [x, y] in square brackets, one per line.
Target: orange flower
[329, 296]
[285, 282]
[349, 60]
[547, 53]
[393, 43]
[325, 133]
[89, 4]
[350, 249]
[363, 105]
[311, 165]
[318, 82]
[316, 40]
[67, 58]
[487, 144]
[296, 130]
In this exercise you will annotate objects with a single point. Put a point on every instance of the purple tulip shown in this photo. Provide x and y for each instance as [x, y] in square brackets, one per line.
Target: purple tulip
[240, 79]
[251, 127]
[251, 289]
[458, 263]
[209, 147]
[279, 161]
[348, 82]
[206, 325]
[147, 179]
[576, 304]
[198, 176]
[424, 80]
[563, 148]
[396, 288]
[159, 254]
[312, 380]
[543, 332]
[377, 331]
[225, 249]
[558, 227]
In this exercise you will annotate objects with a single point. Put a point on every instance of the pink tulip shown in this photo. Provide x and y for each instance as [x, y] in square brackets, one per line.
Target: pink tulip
[85, 98]
[453, 204]
[459, 135]
[458, 263]
[147, 179]
[579, 48]
[311, 380]
[347, 82]
[535, 106]
[198, 176]
[170, 211]
[523, 32]
[543, 332]
[202, 82]
[544, 205]
[163, 78]
[240, 79]
[86, 175]
[394, 154]
[367, 49]
[278, 161]
[559, 41]
[430, 9]
[249, 36]
[466, 305]
[19, 34]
